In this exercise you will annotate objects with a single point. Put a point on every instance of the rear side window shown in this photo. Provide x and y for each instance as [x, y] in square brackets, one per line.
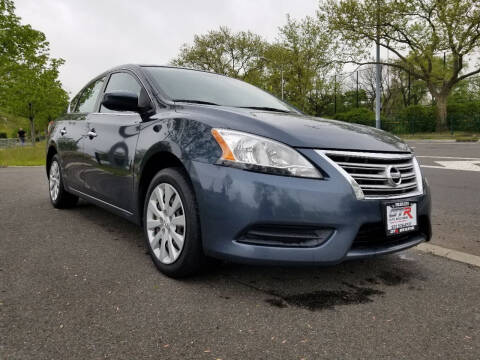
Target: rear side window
[88, 97]
[121, 82]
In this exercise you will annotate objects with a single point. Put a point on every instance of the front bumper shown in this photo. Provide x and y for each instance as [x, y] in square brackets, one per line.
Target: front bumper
[232, 200]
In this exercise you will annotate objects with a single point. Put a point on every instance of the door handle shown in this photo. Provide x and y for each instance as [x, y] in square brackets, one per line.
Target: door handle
[63, 131]
[92, 134]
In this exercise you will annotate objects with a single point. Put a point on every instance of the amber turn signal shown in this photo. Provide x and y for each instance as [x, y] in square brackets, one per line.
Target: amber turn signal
[226, 152]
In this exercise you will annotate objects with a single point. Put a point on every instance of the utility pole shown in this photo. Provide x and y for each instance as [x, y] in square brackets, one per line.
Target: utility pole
[357, 88]
[378, 77]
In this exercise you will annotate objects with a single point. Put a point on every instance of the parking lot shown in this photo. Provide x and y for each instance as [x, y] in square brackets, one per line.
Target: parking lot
[78, 284]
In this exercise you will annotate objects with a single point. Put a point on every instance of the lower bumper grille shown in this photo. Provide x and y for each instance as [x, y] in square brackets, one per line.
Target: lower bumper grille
[285, 236]
[373, 235]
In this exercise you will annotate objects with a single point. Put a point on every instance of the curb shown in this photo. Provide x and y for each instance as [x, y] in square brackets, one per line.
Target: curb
[450, 254]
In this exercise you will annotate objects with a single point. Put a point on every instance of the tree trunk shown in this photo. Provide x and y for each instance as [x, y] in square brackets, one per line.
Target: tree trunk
[441, 113]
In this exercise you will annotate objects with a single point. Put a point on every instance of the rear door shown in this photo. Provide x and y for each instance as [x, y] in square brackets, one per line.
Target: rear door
[71, 133]
[110, 147]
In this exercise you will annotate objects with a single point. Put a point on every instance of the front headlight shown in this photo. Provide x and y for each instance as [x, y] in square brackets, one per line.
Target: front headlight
[257, 153]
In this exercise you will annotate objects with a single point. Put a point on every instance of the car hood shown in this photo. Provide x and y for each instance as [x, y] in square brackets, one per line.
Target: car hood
[298, 130]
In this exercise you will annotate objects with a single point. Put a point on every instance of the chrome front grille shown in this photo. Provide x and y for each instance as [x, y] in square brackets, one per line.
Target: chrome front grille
[378, 175]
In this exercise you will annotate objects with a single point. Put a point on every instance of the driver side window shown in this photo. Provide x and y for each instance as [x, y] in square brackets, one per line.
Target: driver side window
[121, 81]
[88, 98]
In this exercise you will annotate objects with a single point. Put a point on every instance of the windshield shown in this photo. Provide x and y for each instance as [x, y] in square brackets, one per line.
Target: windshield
[207, 88]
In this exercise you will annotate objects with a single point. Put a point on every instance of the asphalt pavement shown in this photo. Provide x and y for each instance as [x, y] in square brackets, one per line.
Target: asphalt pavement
[453, 172]
[78, 284]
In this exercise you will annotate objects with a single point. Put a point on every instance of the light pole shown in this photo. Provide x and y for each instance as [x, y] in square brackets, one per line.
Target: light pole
[335, 94]
[357, 89]
[378, 79]
[378, 75]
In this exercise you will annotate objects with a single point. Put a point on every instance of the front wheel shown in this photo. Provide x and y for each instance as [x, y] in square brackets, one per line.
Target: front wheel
[59, 197]
[171, 224]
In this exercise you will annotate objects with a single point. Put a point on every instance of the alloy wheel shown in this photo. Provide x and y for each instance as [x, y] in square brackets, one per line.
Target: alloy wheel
[54, 180]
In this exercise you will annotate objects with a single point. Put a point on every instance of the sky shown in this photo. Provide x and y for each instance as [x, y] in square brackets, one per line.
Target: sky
[95, 35]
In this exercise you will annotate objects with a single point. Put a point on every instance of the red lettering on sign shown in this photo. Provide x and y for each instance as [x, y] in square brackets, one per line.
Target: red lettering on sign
[407, 211]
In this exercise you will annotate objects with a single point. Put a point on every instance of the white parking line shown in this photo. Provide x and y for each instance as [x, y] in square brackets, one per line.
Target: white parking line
[445, 157]
[450, 254]
[463, 165]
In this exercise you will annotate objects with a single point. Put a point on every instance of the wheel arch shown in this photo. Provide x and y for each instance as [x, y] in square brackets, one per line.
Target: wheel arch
[157, 161]
[52, 150]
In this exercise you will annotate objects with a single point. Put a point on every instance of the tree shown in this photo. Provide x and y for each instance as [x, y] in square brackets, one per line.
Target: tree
[466, 91]
[398, 90]
[303, 55]
[29, 84]
[418, 33]
[233, 54]
[37, 94]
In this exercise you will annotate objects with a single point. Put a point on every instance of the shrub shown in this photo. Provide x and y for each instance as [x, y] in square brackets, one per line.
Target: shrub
[3, 135]
[359, 116]
[417, 118]
[464, 116]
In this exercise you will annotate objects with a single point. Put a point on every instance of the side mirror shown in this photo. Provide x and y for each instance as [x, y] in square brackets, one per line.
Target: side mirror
[121, 101]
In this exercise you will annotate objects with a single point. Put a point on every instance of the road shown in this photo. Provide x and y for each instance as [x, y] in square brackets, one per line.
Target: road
[455, 193]
[77, 284]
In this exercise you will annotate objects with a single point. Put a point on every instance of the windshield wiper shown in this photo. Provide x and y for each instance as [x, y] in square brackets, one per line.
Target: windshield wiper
[195, 101]
[266, 108]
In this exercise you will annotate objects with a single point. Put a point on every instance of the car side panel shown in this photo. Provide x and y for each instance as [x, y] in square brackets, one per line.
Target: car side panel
[69, 134]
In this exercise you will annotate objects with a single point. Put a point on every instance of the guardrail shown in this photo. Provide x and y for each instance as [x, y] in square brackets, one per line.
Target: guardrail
[6, 143]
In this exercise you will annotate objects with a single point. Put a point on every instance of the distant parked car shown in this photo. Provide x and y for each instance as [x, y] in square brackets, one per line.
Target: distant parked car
[213, 167]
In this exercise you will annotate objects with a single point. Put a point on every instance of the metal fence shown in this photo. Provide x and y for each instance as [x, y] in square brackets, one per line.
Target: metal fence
[414, 126]
[6, 143]
[13, 142]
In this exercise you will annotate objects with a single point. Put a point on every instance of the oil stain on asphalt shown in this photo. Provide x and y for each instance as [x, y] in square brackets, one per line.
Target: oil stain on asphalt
[350, 295]
[326, 299]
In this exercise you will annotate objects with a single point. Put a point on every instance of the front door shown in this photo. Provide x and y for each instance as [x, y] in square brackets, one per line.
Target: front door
[110, 148]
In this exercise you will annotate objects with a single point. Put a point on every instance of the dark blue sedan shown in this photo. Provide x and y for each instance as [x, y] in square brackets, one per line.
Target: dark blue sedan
[213, 167]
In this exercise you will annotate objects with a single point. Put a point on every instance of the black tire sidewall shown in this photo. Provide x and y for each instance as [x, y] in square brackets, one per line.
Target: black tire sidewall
[191, 256]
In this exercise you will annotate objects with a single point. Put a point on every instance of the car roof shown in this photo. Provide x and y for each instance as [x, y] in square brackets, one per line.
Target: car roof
[139, 66]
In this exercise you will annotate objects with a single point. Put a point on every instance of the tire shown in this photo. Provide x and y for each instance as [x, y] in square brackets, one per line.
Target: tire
[174, 243]
[60, 198]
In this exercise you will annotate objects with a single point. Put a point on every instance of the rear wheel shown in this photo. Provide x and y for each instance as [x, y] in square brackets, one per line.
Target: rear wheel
[171, 224]
[59, 197]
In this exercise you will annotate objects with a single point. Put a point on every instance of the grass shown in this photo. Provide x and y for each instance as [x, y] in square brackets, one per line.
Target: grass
[9, 124]
[458, 136]
[27, 155]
